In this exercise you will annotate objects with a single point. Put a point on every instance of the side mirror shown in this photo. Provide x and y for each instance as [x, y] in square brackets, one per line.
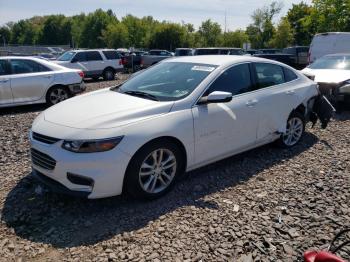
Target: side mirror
[74, 60]
[216, 97]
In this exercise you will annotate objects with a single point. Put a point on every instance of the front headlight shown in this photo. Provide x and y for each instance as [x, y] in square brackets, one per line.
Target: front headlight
[91, 146]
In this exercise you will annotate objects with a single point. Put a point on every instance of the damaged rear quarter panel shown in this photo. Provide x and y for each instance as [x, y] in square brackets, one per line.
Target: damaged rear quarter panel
[284, 98]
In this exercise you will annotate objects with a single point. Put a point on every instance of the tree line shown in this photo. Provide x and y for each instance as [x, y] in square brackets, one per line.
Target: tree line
[103, 29]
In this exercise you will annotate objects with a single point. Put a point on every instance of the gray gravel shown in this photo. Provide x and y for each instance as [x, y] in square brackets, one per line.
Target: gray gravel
[268, 204]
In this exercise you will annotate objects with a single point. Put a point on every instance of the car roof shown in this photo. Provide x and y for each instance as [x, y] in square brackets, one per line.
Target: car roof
[339, 54]
[88, 50]
[221, 48]
[219, 60]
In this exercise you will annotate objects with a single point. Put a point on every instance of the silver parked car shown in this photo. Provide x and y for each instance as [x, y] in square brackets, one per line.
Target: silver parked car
[30, 80]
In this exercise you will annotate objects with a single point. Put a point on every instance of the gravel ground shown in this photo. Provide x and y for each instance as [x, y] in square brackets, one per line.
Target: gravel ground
[268, 204]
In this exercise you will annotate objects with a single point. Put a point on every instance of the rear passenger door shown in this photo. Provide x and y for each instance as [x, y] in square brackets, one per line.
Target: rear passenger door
[276, 95]
[5, 84]
[113, 59]
[95, 63]
[29, 80]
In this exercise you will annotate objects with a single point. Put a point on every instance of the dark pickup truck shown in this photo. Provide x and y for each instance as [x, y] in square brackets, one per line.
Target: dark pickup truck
[295, 56]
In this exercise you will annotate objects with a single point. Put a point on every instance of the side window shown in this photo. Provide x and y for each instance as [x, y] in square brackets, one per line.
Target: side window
[79, 57]
[289, 75]
[111, 55]
[93, 56]
[3, 68]
[268, 75]
[22, 66]
[235, 80]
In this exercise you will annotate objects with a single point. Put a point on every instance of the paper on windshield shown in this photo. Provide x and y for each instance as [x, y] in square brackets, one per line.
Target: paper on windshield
[203, 68]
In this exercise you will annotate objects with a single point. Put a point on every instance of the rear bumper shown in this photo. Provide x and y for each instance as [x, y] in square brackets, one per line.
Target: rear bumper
[56, 186]
[77, 88]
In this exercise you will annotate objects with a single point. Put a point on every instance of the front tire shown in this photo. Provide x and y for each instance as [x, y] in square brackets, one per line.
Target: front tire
[57, 94]
[294, 131]
[153, 170]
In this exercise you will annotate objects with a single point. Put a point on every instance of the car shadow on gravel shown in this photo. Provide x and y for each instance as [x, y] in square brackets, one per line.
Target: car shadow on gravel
[22, 109]
[68, 222]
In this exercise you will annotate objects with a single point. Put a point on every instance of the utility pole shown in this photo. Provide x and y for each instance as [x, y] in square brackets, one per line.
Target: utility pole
[225, 21]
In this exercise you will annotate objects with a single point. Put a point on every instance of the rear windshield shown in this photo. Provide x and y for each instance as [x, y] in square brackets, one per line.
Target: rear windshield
[340, 62]
[67, 56]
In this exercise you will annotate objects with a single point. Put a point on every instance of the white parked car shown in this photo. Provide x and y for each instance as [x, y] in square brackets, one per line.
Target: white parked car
[332, 73]
[329, 43]
[94, 63]
[29, 80]
[178, 115]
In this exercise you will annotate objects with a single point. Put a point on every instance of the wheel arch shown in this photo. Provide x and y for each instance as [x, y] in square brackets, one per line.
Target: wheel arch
[57, 85]
[170, 139]
[108, 68]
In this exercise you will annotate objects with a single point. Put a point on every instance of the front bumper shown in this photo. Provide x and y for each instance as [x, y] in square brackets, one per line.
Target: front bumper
[77, 88]
[105, 169]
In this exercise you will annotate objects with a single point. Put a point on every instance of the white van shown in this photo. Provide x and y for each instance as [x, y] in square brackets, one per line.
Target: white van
[329, 43]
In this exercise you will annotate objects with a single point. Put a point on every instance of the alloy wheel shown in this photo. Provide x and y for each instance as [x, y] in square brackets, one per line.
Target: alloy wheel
[294, 131]
[157, 171]
[58, 95]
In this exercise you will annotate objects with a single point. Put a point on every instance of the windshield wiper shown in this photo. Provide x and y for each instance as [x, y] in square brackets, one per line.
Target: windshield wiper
[141, 94]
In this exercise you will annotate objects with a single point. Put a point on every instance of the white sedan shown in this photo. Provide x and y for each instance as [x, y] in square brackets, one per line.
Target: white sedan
[30, 80]
[332, 73]
[178, 115]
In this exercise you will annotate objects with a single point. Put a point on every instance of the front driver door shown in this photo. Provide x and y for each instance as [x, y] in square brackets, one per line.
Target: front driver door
[221, 129]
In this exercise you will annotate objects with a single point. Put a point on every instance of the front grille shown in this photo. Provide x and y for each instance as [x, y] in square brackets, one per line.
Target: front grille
[42, 160]
[45, 139]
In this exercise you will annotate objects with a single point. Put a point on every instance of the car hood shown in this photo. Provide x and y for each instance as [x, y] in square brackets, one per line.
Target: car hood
[328, 75]
[104, 109]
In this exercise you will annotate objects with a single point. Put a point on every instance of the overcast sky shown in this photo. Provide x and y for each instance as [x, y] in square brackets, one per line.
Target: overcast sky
[190, 11]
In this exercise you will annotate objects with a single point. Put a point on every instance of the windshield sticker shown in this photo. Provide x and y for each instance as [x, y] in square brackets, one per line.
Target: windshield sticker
[203, 68]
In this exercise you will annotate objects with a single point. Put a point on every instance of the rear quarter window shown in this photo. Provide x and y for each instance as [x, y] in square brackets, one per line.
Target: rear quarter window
[289, 75]
[111, 55]
[93, 56]
[268, 75]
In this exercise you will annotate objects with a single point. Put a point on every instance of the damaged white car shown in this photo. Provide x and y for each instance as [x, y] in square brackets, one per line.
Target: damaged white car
[178, 115]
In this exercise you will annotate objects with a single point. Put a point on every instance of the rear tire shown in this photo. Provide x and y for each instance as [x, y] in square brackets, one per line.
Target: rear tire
[153, 170]
[108, 74]
[57, 94]
[294, 131]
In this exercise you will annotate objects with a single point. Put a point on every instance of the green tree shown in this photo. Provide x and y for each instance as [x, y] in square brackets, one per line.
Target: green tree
[138, 29]
[5, 34]
[116, 35]
[235, 38]
[95, 23]
[297, 15]
[284, 34]
[23, 33]
[56, 30]
[168, 36]
[261, 31]
[331, 15]
[210, 34]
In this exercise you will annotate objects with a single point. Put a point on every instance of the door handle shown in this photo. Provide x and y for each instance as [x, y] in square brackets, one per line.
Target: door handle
[290, 92]
[49, 76]
[4, 80]
[251, 103]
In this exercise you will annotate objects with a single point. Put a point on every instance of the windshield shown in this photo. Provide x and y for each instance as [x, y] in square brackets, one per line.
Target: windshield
[340, 62]
[67, 56]
[168, 81]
